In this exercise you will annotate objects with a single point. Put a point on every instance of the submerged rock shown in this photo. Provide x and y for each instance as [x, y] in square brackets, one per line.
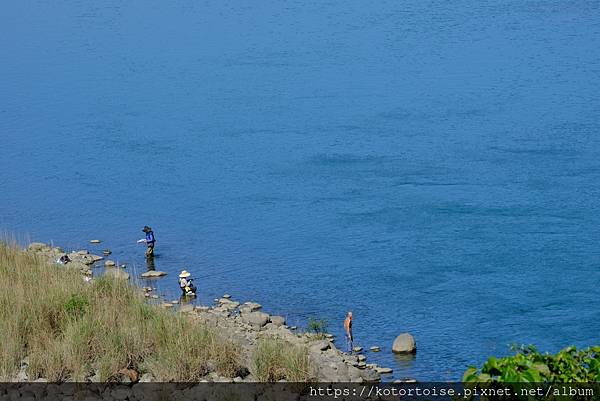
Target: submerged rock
[95, 241]
[375, 348]
[404, 344]
[154, 273]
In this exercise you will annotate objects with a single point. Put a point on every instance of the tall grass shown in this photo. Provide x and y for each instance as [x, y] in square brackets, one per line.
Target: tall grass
[275, 359]
[70, 329]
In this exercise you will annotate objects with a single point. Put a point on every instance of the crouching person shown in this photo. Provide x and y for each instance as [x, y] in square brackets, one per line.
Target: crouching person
[185, 283]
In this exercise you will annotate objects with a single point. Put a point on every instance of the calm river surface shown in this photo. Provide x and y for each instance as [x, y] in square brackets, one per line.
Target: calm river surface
[432, 166]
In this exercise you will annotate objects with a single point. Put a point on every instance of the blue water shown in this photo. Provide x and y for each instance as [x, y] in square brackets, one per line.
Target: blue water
[433, 166]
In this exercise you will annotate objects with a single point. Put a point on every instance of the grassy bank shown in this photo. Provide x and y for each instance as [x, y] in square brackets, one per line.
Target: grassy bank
[70, 329]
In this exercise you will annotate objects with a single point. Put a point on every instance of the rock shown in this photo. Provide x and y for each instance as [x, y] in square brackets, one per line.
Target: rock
[200, 309]
[361, 358]
[252, 306]
[357, 349]
[383, 371]
[38, 247]
[278, 320]
[370, 375]
[95, 241]
[226, 296]
[293, 327]
[375, 348]
[117, 273]
[96, 258]
[404, 344]
[109, 263]
[175, 301]
[154, 273]
[167, 305]
[106, 252]
[186, 308]
[131, 374]
[321, 345]
[255, 319]
[361, 365]
[146, 378]
[154, 296]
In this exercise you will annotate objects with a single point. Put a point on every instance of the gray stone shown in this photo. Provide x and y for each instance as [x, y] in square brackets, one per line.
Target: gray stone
[251, 306]
[278, 320]
[357, 349]
[404, 344]
[153, 273]
[383, 371]
[38, 247]
[255, 319]
[361, 358]
[321, 345]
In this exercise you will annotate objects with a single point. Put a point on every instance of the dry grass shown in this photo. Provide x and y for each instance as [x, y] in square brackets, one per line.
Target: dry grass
[71, 329]
[274, 360]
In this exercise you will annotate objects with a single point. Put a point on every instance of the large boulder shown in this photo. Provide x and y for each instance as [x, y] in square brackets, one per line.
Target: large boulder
[278, 320]
[404, 344]
[255, 319]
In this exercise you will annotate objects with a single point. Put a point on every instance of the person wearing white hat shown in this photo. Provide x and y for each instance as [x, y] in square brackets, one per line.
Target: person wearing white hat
[185, 282]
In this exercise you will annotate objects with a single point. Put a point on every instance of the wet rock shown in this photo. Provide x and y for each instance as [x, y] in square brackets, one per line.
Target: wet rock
[95, 241]
[226, 296]
[375, 348]
[109, 263]
[106, 252]
[357, 349]
[361, 358]
[153, 273]
[404, 344]
[278, 320]
[383, 371]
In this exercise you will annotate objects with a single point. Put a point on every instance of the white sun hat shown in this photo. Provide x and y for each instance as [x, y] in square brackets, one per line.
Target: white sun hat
[185, 273]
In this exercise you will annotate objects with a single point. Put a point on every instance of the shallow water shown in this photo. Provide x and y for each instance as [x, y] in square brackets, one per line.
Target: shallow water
[432, 166]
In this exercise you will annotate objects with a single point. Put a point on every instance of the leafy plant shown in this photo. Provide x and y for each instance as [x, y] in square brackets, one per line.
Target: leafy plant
[318, 327]
[529, 365]
[76, 305]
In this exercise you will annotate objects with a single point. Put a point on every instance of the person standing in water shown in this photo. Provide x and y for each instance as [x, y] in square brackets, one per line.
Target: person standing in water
[348, 329]
[149, 241]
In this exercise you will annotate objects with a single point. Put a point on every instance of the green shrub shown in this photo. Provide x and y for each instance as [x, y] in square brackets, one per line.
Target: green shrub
[76, 305]
[318, 327]
[528, 365]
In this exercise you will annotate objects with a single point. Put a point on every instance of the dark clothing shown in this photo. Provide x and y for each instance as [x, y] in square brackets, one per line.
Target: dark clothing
[150, 240]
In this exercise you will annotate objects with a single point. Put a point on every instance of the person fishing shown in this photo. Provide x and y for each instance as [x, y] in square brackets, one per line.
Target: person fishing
[348, 330]
[149, 241]
[185, 283]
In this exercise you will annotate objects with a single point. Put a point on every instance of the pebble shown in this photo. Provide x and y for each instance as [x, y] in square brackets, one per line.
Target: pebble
[95, 241]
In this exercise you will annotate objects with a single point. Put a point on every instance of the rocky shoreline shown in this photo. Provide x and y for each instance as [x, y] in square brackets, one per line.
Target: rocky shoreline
[243, 323]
